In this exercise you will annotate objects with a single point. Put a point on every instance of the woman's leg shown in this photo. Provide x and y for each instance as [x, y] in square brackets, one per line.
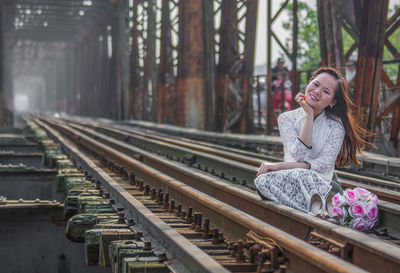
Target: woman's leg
[292, 188]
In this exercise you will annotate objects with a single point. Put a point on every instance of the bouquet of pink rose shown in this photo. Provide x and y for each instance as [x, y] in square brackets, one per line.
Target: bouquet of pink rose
[356, 208]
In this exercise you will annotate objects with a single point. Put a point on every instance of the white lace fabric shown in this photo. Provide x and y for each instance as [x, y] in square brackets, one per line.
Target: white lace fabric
[294, 187]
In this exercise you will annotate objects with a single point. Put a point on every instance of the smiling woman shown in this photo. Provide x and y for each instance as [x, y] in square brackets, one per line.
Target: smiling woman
[315, 136]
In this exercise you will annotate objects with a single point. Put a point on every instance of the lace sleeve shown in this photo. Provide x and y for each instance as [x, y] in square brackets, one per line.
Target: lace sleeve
[326, 159]
[289, 136]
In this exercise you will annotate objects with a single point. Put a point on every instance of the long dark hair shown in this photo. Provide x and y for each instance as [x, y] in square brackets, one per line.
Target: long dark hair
[355, 136]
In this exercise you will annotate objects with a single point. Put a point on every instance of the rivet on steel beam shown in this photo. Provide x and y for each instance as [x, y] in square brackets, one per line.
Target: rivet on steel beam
[120, 209]
[206, 229]
[86, 173]
[146, 190]
[112, 201]
[153, 194]
[198, 166]
[222, 175]
[106, 195]
[244, 182]
[147, 245]
[234, 179]
[141, 188]
[212, 171]
[172, 206]
[206, 168]
[131, 222]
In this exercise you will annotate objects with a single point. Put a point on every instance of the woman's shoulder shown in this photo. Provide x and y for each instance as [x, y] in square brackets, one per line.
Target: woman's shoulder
[296, 113]
[334, 122]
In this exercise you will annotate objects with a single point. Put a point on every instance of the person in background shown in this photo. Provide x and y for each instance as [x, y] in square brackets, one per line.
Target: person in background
[279, 69]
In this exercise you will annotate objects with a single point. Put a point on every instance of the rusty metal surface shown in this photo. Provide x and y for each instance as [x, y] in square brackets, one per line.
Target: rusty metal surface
[302, 256]
[281, 216]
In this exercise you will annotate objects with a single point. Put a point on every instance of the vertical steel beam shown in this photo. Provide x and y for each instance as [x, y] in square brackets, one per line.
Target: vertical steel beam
[227, 53]
[269, 113]
[369, 64]
[329, 23]
[150, 66]
[2, 8]
[191, 65]
[209, 52]
[166, 109]
[246, 73]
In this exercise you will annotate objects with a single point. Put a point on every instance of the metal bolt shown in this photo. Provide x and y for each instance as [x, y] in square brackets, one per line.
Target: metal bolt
[121, 217]
[206, 229]
[215, 234]
[146, 190]
[138, 235]
[189, 215]
[178, 211]
[198, 222]
[172, 206]
[147, 245]
[239, 254]
[162, 257]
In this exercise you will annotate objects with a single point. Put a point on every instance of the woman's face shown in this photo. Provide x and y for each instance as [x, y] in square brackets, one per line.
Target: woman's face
[320, 92]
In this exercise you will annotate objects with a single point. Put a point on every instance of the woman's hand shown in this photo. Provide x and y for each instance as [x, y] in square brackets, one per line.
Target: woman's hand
[268, 167]
[301, 99]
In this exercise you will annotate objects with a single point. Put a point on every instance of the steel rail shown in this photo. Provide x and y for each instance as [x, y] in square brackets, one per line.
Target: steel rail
[302, 257]
[251, 142]
[296, 223]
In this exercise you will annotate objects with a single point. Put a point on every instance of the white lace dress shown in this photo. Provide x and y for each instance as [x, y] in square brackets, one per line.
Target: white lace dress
[294, 187]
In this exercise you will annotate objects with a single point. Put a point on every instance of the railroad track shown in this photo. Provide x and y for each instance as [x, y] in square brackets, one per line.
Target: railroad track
[224, 161]
[362, 250]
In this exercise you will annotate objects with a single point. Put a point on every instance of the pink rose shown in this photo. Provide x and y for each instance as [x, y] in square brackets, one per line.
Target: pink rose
[338, 200]
[357, 210]
[340, 212]
[359, 224]
[371, 211]
[371, 224]
[374, 199]
[351, 196]
[363, 193]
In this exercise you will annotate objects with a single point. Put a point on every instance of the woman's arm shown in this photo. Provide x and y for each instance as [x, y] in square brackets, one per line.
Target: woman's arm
[307, 129]
[297, 145]
[271, 167]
